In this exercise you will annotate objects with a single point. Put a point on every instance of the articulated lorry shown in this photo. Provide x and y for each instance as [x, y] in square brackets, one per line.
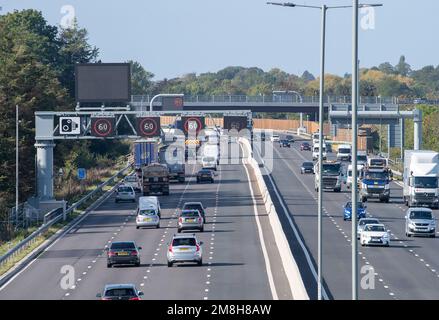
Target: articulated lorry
[174, 159]
[332, 176]
[155, 179]
[421, 174]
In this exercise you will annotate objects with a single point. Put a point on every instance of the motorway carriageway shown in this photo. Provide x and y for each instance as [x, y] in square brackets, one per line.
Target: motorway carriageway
[234, 263]
[408, 269]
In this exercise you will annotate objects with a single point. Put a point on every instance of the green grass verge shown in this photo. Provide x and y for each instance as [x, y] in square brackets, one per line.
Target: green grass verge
[51, 231]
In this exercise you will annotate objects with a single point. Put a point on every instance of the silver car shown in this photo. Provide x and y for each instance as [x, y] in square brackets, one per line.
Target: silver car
[190, 220]
[363, 222]
[420, 221]
[185, 248]
[125, 193]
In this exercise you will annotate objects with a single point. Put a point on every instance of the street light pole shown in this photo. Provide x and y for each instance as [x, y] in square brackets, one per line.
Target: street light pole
[16, 165]
[355, 86]
[321, 119]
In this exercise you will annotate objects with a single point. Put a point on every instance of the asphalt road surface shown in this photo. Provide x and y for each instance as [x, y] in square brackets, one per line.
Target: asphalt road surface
[408, 269]
[234, 266]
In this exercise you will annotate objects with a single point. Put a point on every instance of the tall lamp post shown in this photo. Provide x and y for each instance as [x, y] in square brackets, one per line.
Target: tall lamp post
[324, 9]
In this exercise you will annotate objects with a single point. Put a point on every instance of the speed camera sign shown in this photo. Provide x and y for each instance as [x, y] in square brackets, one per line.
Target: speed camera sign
[69, 126]
[102, 127]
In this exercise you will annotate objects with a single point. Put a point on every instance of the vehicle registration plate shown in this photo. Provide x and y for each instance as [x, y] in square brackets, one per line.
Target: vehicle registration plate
[122, 253]
[147, 219]
[190, 220]
[184, 249]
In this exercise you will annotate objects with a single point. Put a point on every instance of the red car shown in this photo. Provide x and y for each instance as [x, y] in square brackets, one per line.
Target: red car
[305, 147]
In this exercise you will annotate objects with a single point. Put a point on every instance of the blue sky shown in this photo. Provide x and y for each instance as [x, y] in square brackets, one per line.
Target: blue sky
[174, 37]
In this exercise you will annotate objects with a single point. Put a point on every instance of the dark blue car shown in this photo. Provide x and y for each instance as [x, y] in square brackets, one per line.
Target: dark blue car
[347, 215]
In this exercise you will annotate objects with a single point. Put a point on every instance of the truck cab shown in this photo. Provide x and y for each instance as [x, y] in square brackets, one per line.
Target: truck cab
[344, 152]
[332, 176]
[375, 184]
[421, 175]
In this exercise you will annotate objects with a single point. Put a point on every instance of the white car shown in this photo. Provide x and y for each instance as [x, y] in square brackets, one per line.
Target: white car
[363, 222]
[275, 138]
[132, 181]
[375, 234]
[125, 193]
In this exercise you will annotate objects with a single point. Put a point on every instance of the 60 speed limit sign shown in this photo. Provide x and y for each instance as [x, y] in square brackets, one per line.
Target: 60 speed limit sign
[148, 126]
[102, 127]
[193, 124]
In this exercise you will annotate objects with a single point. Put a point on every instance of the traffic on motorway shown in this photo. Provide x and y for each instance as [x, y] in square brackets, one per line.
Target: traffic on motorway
[382, 220]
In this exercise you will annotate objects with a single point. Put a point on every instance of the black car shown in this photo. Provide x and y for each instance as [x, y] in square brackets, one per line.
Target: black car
[120, 292]
[290, 138]
[305, 147]
[123, 253]
[205, 175]
[284, 143]
[307, 167]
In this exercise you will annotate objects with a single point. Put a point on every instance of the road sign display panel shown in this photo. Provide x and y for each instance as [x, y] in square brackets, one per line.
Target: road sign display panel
[172, 103]
[148, 126]
[103, 127]
[192, 125]
[235, 122]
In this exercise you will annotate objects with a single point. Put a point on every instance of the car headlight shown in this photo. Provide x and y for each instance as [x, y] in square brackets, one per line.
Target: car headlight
[411, 225]
[387, 187]
[386, 236]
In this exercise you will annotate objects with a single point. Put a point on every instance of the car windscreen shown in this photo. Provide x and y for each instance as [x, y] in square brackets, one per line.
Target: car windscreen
[192, 207]
[147, 212]
[123, 245]
[374, 228]
[362, 158]
[205, 172]
[208, 159]
[342, 150]
[376, 175]
[189, 213]
[184, 242]
[120, 292]
[425, 182]
[363, 222]
[333, 169]
[131, 179]
[377, 162]
[124, 189]
[420, 215]
[360, 205]
[308, 164]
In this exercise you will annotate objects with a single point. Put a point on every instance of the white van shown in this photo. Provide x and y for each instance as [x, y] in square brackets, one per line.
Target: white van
[344, 152]
[315, 152]
[148, 213]
[349, 175]
[315, 138]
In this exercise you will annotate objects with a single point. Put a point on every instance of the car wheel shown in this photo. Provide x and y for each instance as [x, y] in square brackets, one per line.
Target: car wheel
[137, 264]
[432, 236]
[169, 264]
[212, 181]
[137, 228]
[409, 235]
[109, 265]
[179, 230]
[200, 263]
[116, 201]
[158, 226]
[363, 244]
[202, 229]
